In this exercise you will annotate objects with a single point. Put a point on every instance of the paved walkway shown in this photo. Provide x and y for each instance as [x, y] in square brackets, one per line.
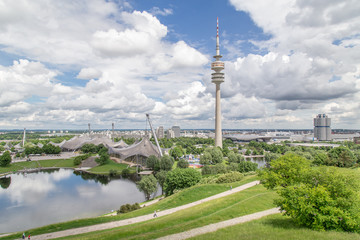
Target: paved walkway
[143, 218]
[216, 226]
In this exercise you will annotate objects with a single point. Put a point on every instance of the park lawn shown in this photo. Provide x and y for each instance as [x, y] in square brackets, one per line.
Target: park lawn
[248, 201]
[275, 227]
[185, 196]
[104, 169]
[37, 164]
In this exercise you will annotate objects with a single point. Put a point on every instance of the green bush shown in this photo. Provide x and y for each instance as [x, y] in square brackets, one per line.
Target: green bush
[230, 177]
[103, 159]
[113, 172]
[80, 158]
[125, 172]
[182, 163]
[207, 170]
[128, 208]
[181, 178]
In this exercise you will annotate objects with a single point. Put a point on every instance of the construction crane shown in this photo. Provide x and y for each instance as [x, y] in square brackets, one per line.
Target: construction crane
[153, 132]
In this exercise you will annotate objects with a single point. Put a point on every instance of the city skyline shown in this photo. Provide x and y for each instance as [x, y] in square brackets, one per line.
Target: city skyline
[65, 64]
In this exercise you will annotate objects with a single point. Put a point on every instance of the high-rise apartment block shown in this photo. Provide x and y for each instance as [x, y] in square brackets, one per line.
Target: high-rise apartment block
[176, 130]
[322, 129]
[160, 132]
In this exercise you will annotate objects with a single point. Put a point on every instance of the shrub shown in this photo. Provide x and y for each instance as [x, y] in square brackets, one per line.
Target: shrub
[181, 178]
[206, 170]
[113, 172]
[229, 177]
[103, 159]
[128, 208]
[125, 172]
[220, 168]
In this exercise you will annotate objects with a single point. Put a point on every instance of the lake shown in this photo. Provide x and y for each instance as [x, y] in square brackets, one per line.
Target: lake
[41, 198]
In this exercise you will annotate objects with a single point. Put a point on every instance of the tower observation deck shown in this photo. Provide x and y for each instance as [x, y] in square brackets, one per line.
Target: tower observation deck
[217, 77]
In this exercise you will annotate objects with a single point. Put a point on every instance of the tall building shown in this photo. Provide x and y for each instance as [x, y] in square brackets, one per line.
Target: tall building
[160, 132]
[322, 130]
[176, 130]
[170, 133]
[217, 78]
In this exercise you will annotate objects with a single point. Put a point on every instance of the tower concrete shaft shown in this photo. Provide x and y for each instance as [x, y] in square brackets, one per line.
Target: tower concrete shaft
[217, 77]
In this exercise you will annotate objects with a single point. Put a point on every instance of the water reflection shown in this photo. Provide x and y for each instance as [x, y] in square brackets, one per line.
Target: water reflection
[38, 199]
[5, 182]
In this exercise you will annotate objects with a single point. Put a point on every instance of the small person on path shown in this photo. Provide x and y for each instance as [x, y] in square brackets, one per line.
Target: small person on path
[29, 237]
[23, 236]
[155, 215]
[230, 188]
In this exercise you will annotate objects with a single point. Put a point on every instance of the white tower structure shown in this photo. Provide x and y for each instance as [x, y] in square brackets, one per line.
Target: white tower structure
[217, 77]
[322, 130]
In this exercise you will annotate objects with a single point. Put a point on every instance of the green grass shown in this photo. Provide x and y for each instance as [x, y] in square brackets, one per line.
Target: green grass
[37, 164]
[104, 169]
[183, 197]
[275, 227]
[238, 204]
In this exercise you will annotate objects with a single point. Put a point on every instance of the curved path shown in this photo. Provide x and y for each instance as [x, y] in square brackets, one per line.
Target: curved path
[143, 218]
[216, 226]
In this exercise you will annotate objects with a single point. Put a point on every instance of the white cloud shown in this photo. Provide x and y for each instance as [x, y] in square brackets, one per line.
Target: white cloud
[89, 73]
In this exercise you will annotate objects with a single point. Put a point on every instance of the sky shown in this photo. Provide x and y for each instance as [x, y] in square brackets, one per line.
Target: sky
[64, 64]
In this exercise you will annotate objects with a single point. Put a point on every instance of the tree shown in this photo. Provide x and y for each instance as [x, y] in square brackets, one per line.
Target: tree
[147, 185]
[206, 158]
[166, 163]
[5, 159]
[320, 158]
[153, 163]
[176, 152]
[247, 166]
[286, 170]
[89, 148]
[232, 157]
[216, 155]
[182, 163]
[161, 177]
[181, 178]
[341, 157]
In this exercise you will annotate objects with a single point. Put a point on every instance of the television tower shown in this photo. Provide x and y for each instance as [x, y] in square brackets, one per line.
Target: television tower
[217, 77]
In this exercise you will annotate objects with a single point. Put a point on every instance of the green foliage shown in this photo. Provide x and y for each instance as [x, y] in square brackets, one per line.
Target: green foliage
[125, 172]
[113, 172]
[128, 208]
[153, 163]
[180, 178]
[5, 159]
[269, 156]
[176, 152]
[80, 158]
[166, 163]
[230, 177]
[5, 182]
[51, 149]
[286, 170]
[232, 157]
[147, 185]
[161, 177]
[320, 158]
[103, 159]
[248, 152]
[323, 198]
[220, 168]
[247, 166]
[216, 155]
[89, 148]
[183, 163]
[341, 157]
[205, 158]
[206, 170]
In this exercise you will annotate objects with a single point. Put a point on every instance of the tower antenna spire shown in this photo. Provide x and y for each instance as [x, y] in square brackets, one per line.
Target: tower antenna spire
[217, 37]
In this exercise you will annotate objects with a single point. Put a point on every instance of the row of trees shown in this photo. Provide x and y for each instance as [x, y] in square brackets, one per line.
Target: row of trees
[47, 149]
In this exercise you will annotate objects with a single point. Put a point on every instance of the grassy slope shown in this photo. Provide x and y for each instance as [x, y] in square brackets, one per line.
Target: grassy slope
[274, 227]
[238, 204]
[183, 197]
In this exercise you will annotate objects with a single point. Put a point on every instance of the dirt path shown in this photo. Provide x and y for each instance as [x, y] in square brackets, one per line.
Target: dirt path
[216, 226]
[143, 218]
